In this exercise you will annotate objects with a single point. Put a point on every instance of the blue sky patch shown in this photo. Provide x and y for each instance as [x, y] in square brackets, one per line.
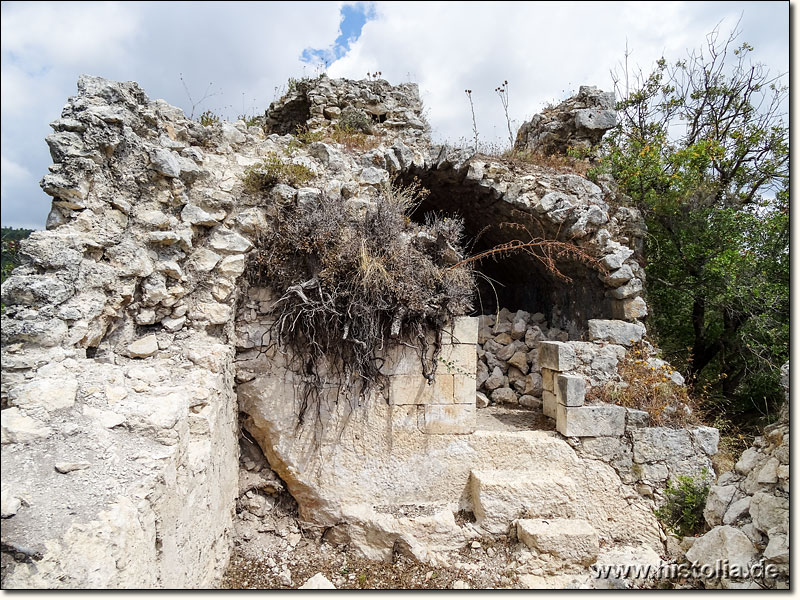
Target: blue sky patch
[353, 18]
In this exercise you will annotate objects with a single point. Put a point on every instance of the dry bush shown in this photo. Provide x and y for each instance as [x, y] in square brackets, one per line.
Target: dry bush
[648, 387]
[353, 140]
[563, 163]
[272, 170]
[349, 281]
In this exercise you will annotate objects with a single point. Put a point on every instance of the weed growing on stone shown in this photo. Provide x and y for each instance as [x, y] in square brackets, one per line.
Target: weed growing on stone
[349, 277]
[208, 118]
[685, 499]
[354, 120]
[646, 385]
[259, 178]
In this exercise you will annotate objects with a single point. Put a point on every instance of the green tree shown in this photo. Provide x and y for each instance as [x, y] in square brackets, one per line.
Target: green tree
[702, 150]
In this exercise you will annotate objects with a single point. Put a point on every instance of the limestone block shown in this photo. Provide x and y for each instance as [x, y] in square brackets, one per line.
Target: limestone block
[706, 438]
[656, 444]
[401, 360]
[463, 330]
[629, 309]
[405, 418]
[495, 380]
[747, 461]
[737, 510]
[769, 472]
[520, 360]
[549, 403]
[590, 421]
[10, 504]
[574, 540]
[463, 389]
[226, 240]
[558, 356]
[452, 418]
[318, 581]
[637, 418]
[50, 394]
[722, 543]
[570, 389]
[501, 496]
[143, 347]
[769, 512]
[616, 332]
[547, 380]
[458, 358]
[414, 389]
[16, 427]
[778, 548]
[504, 395]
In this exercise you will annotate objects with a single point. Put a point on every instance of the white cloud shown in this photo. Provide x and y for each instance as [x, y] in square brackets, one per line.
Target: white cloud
[248, 50]
[545, 50]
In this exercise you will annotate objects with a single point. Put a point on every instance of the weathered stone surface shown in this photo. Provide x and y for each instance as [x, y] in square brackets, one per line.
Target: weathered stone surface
[415, 389]
[143, 260]
[143, 347]
[19, 428]
[317, 582]
[449, 419]
[557, 356]
[769, 512]
[570, 389]
[504, 395]
[719, 500]
[573, 540]
[722, 543]
[10, 504]
[616, 332]
[549, 404]
[590, 421]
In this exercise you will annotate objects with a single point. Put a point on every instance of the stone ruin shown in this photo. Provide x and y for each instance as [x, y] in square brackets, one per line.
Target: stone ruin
[133, 362]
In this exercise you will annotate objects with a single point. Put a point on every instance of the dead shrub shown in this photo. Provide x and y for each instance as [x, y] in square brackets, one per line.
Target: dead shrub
[273, 170]
[558, 162]
[347, 281]
[648, 387]
[352, 139]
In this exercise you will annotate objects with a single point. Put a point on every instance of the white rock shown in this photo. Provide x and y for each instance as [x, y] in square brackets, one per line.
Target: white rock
[143, 347]
[574, 540]
[226, 240]
[10, 504]
[317, 582]
[50, 394]
[232, 266]
[19, 428]
[723, 543]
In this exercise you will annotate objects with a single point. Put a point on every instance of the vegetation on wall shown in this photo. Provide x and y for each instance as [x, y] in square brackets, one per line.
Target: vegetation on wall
[702, 151]
[347, 281]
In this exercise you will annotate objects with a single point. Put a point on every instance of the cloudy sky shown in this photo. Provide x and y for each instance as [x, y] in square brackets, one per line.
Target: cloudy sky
[241, 54]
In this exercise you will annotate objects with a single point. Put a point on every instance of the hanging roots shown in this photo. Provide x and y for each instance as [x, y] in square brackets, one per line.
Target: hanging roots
[348, 277]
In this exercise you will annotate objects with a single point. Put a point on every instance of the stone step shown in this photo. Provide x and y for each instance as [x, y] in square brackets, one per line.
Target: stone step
[572, 540]
[521, 450]
[502, 496]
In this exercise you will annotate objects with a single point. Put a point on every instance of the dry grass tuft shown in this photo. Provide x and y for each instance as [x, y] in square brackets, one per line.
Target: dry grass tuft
[271, 171]
[648, 387]
[561, 163]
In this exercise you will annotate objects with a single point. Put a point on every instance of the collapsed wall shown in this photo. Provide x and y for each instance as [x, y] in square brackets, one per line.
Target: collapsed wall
[134, 348]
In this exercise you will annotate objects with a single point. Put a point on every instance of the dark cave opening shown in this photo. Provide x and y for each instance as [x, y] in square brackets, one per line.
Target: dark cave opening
[519, 280]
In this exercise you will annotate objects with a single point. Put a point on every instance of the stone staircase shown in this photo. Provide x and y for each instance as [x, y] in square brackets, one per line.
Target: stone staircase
[559, 503]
